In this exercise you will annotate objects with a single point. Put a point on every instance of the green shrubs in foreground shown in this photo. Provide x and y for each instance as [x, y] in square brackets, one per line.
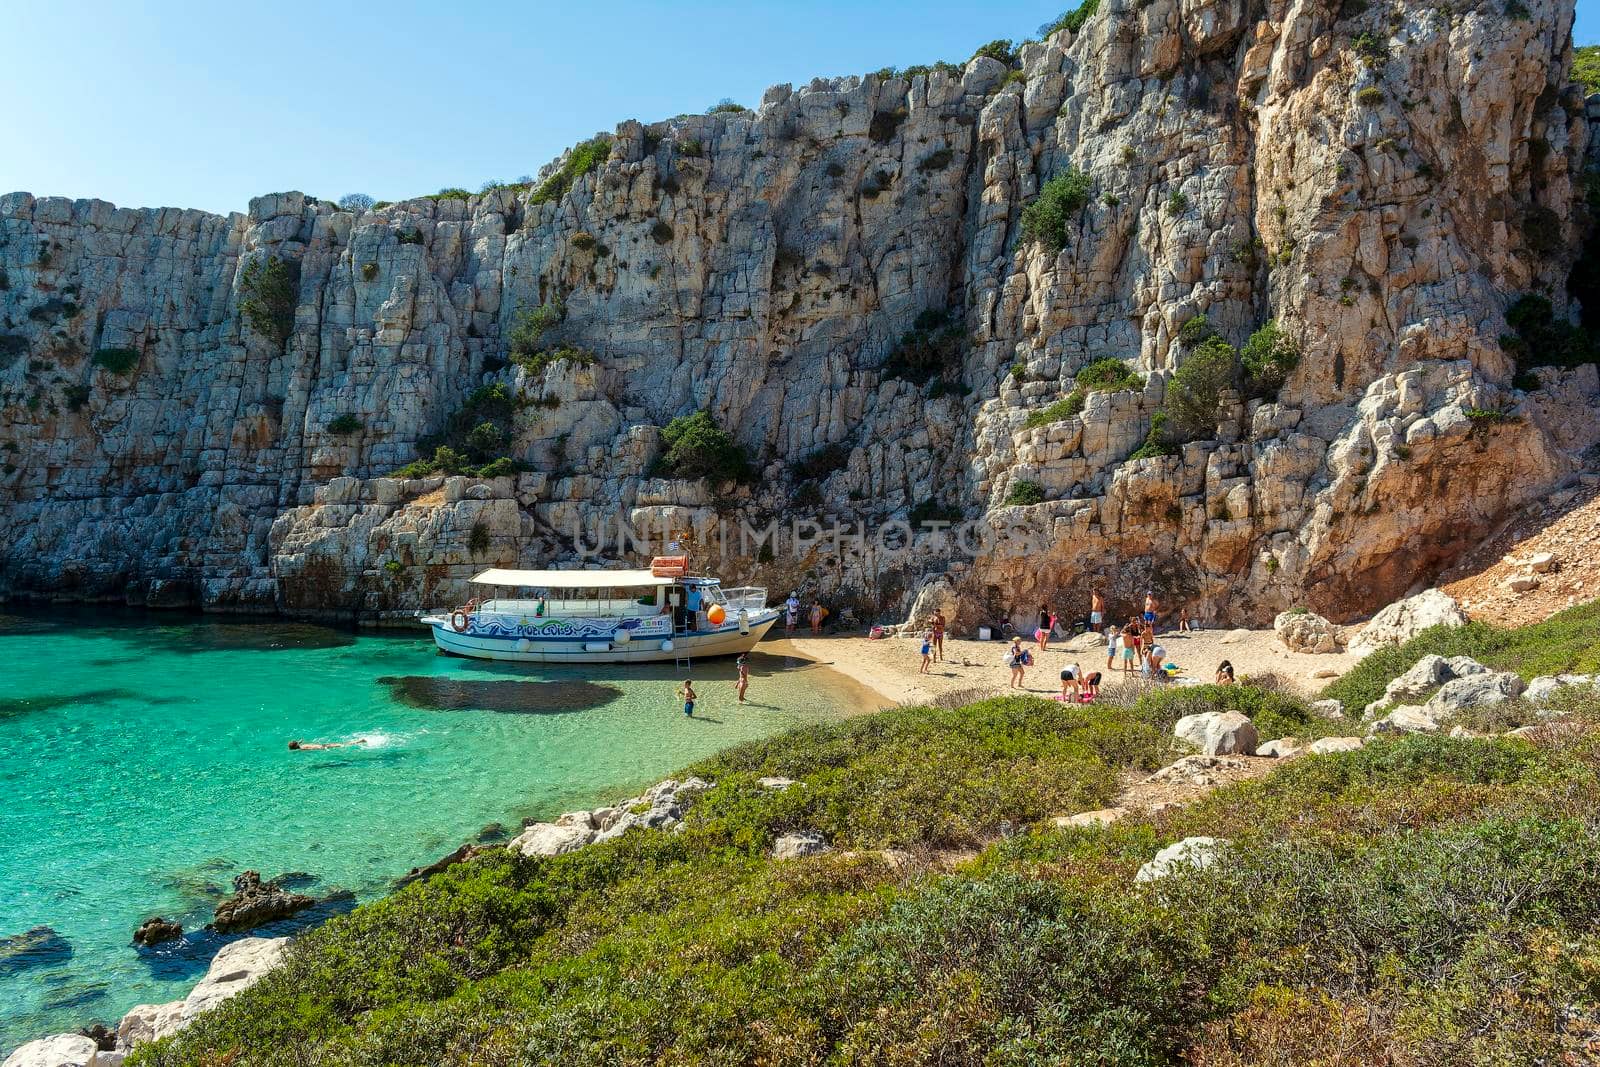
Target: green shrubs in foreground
[1422, 900]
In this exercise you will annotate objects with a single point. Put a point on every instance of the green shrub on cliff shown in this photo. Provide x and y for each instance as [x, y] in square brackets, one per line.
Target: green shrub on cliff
[583, 159]
[1047, 219]
[1194, 395]
[931, 349]
[269, 289]
[696, 447]
[1267, 359]
[473, 440]
[1073, 20]
[117, 360]
[1586, 67]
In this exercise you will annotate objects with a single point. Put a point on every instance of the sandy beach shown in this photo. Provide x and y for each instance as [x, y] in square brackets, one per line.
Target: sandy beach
[889, 667]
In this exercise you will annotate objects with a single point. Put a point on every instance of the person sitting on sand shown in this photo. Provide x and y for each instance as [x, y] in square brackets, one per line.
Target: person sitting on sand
[315, 746]
[1224, 673]
[1016, 659]
[1183, 621]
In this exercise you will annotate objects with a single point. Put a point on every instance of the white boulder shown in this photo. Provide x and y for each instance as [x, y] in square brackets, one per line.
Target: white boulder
[1099, 817]
[1303, 631]
[1476, 691]
[1405, 619]
[240, 965]
[1542, 689]
[1325, 745]
[801, 843]
[62, 1050]
[1328, 709]
[1218, 733]
[1408, 719]
[1282, 748]
[1542, 562]
[149, 1022]
[1199, 852]
[550, 839]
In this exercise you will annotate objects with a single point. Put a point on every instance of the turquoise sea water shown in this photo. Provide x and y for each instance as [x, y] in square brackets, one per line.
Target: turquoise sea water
[144, 762]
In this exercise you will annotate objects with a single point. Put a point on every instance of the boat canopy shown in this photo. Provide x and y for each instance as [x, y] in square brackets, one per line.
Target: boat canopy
[571, 579]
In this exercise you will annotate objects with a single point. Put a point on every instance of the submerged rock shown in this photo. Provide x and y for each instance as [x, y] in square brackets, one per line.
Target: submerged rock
[255, 902]
[156, 930]
[38, 947]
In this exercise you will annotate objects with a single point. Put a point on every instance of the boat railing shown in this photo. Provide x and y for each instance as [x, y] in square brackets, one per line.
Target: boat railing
[579, 607]
[746, 598]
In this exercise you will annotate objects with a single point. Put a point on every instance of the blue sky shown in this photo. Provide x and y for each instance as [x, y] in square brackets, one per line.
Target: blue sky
[162, 102]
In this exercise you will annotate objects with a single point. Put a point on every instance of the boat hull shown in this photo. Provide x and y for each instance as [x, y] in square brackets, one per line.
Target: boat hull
[728, 641]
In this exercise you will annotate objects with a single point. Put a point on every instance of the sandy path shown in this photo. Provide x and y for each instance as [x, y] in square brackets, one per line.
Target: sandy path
[890, 666]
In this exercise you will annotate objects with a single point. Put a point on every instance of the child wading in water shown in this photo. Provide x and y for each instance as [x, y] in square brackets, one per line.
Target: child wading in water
[686, 691]
[927, 650]
[744, 677]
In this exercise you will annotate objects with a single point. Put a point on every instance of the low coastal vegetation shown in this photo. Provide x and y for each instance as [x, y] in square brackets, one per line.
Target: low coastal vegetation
[1425, 899]
[1568, 641]
[583, 159]
[475, 440]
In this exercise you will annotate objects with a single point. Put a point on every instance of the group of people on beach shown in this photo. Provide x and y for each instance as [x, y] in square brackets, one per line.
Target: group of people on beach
[1131, 647]
[791, 615]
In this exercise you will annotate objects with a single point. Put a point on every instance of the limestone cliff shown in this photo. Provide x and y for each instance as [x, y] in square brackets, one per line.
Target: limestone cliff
[1381, 181]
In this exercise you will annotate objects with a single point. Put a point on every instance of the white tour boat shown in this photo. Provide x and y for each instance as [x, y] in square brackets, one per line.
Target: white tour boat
[604, 617]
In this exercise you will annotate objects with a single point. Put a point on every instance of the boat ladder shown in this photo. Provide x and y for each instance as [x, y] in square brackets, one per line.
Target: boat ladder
[680, 652]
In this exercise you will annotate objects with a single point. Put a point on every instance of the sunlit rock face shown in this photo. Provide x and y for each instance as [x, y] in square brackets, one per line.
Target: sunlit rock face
[1383, 186]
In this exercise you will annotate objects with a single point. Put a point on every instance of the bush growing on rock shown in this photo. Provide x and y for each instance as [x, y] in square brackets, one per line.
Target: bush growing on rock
[1024, 493]
[1543, 340]
[117, 360]
[1267, 359]
[999, 50]
[696, 447]
[1194, 395]
[1156, 441]
[345, 423]
[1045, 221]
[269, 289]
[1073, 20]
[932, 348]
[357, 202]
[583, 159]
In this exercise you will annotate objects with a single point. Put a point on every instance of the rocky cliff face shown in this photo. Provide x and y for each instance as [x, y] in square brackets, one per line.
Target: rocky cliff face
[1381, 182]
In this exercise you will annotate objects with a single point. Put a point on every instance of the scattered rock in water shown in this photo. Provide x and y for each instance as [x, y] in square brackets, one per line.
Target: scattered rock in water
[156, 930]
[1218, 733]
[460, 855]
[62, 1050]
[796, 845]
[1197, 852]
[528, 698]
[38, 947]
[296, 879]
[491, 832]
[255, 902]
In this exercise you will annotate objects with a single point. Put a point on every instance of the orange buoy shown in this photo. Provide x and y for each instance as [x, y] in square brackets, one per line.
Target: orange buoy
[716, 615]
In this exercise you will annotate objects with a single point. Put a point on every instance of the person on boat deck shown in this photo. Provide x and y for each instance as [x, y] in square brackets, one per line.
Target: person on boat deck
[693, 605]
[315, 746]
[686, 691]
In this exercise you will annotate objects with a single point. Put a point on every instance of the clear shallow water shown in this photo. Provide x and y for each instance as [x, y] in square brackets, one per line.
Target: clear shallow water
[144, 762]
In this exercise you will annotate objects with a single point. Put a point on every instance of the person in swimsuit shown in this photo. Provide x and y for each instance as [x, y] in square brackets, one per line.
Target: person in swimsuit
[1091, 687]
[316, 746]
[1015, 660]
[1130, 648]
[938, 636]
[791, 613]
[689, 696]
[1183, 621]
[1150, 608]
[1047, 622]
[1157, 655]
[927, 652]
[1111, 646]
[744, 677]
[1224, 673]
[1097, 610]
[816, 616]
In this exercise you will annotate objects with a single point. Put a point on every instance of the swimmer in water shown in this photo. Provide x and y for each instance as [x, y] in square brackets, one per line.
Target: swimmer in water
[313, 746]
